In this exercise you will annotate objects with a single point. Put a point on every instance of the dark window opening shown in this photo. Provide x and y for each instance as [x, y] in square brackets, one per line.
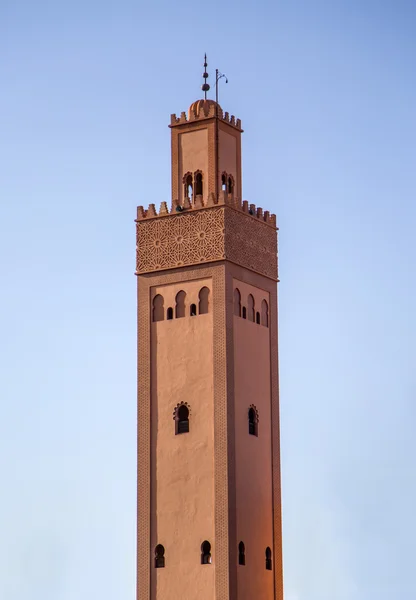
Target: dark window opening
[159, 557]
[182, 420]
[192, 310]
[188, 186]
[258, 318]
[198, 184]
[206, 553]
[203, 301]
[241, 554]
[169, 313]
[180, 304]
[230, 186]
[158, 310]
[244, 312]
[268, 559]
[252, 422]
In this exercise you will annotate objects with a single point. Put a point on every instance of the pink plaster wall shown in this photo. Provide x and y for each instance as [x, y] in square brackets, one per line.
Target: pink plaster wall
[182, 500]
[253, 454]
[193, 155]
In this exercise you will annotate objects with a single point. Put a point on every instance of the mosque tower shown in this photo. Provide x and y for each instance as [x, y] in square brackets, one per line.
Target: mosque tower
[209, 498]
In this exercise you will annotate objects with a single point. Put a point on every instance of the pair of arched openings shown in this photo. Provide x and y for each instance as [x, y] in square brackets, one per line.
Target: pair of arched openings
[242, 556]
[193, 182]
[227, 183]
[181, 308]
[261, 317]
[182, 412]
[206, 557]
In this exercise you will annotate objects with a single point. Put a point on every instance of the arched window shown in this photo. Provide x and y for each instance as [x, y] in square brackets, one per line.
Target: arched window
[192, 310]
[268, 559]
[188, 191]
[237, 302]
[180, 304]
[253, 421]
[258, 318]
[169, 313]
[244, 312]
[198, 184]
[230, 185]
[241, 554]
[264, 313]
[203, 301]
[182, 419]
[158, 310]
[206, 553]
[251, 311]
[159, 557]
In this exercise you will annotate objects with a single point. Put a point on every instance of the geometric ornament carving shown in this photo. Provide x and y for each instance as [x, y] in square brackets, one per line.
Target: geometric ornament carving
[207, 235]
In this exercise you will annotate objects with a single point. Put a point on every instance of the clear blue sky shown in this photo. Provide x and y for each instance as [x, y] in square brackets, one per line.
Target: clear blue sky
[326, 92]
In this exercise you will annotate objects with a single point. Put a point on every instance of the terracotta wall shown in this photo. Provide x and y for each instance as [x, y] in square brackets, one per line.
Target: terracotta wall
[193, 155]
[182, 499]
[253, 454]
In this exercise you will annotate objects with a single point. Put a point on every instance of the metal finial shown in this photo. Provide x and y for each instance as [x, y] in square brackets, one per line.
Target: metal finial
[205, 86]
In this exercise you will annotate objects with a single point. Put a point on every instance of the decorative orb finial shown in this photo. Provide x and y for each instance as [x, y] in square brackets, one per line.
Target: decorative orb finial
[205, 86]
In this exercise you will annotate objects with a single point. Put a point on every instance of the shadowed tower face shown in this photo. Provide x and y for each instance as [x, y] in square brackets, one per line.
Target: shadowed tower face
[209, 502]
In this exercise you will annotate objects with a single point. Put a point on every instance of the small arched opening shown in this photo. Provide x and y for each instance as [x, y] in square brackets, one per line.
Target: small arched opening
[203, 301]
[198, 184]
[182, 419]
[180, 304]
[258, 318]
[159, 557]
[241, 554]
[188, 191]
[268, 559]
[192, 310]
[230, 185]
[244, 312]
[237, 302]
[253, 421]
[158, 309]
[206, 558]
[169, 314]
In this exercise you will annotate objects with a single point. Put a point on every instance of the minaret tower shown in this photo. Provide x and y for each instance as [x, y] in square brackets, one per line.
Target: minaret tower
[209, 500]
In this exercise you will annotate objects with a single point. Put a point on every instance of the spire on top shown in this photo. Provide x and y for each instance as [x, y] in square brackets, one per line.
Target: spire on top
[205, 86]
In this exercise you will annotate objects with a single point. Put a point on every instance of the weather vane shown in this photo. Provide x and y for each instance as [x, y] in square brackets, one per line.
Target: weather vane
[205, 87]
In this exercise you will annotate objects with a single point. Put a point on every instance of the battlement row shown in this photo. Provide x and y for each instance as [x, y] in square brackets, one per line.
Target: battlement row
[223, 199]
[206, 113]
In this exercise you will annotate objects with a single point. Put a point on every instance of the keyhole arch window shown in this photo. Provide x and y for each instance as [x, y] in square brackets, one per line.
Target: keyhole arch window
[181, 417]
[188, 185]
[206, 558]
[159, 557]
[198, 179]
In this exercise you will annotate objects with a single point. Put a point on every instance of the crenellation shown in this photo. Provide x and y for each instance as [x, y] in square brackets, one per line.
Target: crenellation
[201, 110]
[224, 198]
